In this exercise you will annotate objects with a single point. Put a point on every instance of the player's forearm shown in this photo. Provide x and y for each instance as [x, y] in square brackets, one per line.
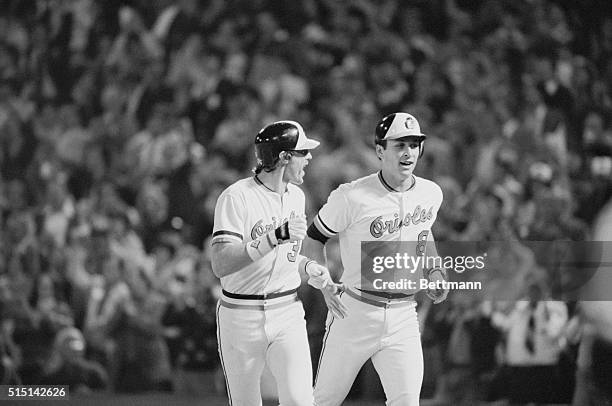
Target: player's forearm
[230, 256]
[314, 250]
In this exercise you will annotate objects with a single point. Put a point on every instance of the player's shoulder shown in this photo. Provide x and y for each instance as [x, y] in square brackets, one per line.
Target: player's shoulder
[295, 190]
[359, 185]
[238, 188]
[427, 185]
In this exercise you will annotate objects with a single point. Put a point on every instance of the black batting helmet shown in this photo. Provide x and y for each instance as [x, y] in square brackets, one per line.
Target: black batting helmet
[277, 137]
[399, 125]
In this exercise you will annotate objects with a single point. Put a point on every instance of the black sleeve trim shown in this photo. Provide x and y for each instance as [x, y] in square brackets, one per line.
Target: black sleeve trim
[325, 225]
[225, 232]
[314, 233]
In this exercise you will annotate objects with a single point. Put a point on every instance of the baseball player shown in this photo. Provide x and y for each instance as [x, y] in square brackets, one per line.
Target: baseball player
[391, 205]
[259, 226]
[594, 363]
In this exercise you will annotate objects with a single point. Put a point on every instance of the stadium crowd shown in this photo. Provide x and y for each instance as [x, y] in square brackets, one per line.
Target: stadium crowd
[121, 121]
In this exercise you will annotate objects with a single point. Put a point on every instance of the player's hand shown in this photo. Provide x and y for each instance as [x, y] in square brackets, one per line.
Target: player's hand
[318, 276]
[437, 295]
[331, 294]
[297, 228]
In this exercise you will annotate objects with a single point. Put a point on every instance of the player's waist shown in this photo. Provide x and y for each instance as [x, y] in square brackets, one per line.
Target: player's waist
[265, 301]
[386, 295]
[381, 299]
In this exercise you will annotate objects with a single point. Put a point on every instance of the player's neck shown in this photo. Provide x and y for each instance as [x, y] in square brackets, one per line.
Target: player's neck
[399, 184]
[273, 181]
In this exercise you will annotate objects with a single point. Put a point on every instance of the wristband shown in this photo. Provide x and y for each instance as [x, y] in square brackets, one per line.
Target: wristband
[282, 233]
[305, 262]
[259, 247]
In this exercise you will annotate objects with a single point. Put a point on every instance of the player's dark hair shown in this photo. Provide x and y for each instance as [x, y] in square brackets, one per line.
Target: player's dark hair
[261, 166]
[271, 166]
[382, 143]
[267, 168]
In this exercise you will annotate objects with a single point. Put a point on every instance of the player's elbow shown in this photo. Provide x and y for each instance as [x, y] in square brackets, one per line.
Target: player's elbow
[220, 269]
[216, 271]
[217, 263]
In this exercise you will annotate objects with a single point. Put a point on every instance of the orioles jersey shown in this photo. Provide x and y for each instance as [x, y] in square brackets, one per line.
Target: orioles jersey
[247, 210]
[368, 209]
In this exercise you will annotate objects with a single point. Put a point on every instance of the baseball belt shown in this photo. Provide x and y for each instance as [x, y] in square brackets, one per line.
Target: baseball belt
[375, 300]
[266, 301]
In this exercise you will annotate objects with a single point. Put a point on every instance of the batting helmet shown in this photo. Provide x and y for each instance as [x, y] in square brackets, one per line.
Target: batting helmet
[399, 125]
[277, 137]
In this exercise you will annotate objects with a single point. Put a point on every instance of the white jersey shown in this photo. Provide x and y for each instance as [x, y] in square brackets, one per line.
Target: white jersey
[245, 211]
[368, 209]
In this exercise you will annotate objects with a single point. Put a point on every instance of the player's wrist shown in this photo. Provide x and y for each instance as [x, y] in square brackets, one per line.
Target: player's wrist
[281, 233]
[304, 263]
[261, 246]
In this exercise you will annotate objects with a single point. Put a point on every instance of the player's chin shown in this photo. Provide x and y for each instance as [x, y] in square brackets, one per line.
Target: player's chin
[406, 170]
[298, 180]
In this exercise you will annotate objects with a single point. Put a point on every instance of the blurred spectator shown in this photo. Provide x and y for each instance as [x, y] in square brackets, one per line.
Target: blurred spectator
[9, 351]
[67, 365]
[190, 331]
[533, 330]
[145, 363]
[49, 307]
[107, 296]
[465, 333]
[33, 333]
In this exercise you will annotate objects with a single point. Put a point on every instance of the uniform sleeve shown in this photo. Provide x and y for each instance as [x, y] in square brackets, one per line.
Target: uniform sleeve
[335, 215]
[301, 204]
[437, 202]
[229, 218]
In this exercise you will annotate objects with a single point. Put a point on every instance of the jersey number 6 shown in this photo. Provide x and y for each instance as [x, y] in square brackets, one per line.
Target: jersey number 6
[422, 243]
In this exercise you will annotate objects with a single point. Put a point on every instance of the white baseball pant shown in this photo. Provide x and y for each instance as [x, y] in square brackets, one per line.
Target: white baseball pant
[389, 335]
[252, 333]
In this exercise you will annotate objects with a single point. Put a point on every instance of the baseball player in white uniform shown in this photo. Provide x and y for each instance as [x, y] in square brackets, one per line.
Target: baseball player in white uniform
[594, 363]
[259, 226]
[391, 205]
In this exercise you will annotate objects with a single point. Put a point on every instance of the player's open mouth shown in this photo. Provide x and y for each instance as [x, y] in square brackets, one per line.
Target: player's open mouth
[406, 164]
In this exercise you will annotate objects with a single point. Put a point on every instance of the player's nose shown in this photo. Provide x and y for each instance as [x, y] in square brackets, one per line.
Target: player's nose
[408, 153]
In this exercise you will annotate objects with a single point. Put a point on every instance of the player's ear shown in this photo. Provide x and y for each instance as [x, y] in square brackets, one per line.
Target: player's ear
[379, 151]
[284, 157]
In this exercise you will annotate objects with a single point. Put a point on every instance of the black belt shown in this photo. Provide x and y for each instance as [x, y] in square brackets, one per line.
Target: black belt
[387, 305]
[259, 297]
[386, 295]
